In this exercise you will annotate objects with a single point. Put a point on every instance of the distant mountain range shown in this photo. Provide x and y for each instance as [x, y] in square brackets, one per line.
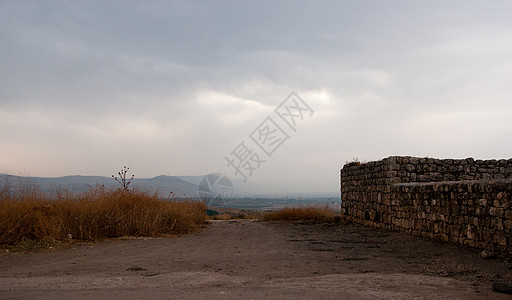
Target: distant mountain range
[164, 185]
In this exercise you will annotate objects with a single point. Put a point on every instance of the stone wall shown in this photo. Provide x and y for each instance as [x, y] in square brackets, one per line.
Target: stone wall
[465, 201]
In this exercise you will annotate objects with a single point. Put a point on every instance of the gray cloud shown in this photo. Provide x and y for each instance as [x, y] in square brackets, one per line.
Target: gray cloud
[173, 87]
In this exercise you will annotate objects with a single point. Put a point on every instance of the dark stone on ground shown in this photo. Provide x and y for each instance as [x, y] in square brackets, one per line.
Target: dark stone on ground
[502, 287]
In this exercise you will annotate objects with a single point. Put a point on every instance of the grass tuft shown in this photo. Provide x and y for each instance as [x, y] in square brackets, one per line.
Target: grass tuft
[234, 214]
[304, 213]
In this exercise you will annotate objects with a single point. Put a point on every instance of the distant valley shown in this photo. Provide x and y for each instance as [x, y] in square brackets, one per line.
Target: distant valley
[179, 187]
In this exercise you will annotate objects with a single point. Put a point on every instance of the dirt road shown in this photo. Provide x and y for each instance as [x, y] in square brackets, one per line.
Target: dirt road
[255, 260]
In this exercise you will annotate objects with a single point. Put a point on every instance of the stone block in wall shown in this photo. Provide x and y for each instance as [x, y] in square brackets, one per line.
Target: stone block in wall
[499, 225]
[410, 168]
[507, 224]
[469, 243]
[501, 239]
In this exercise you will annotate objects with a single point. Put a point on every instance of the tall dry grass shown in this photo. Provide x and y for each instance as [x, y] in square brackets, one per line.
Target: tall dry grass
[310, 213]
[27, 213]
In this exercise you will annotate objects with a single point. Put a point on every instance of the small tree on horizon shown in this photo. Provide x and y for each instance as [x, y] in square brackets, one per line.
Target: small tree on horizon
[122, 178]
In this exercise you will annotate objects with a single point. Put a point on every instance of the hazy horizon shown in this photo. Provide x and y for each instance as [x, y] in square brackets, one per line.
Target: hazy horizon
[190, 88]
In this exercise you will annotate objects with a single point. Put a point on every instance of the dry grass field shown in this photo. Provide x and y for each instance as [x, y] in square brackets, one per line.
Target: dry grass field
[30, 218]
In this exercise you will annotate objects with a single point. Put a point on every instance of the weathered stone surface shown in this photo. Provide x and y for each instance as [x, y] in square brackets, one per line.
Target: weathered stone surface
[434, 197]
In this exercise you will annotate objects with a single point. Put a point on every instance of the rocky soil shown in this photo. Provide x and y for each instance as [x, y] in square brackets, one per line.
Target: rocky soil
[251, 259]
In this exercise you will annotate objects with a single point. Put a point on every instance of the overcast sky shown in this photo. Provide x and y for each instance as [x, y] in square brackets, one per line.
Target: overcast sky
[174, 87]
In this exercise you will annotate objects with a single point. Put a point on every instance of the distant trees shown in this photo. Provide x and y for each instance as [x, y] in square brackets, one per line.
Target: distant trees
[122, 178]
